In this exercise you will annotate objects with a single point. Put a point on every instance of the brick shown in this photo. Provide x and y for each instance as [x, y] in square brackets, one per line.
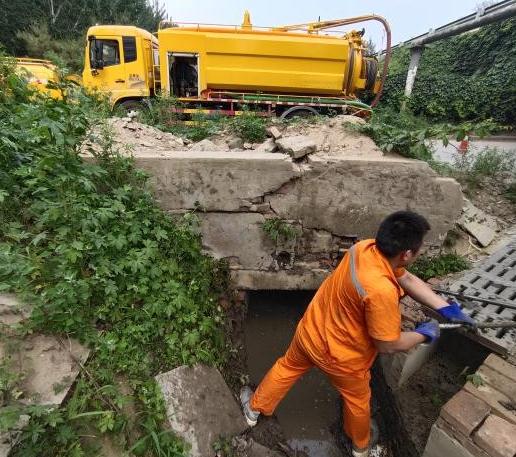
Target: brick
[497, 437]
[465, 412]
[496, 400]
[498, 381]
[498, 364]
[441, 444]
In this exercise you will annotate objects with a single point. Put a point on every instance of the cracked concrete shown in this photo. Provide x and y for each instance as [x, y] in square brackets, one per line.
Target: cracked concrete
[333, 199]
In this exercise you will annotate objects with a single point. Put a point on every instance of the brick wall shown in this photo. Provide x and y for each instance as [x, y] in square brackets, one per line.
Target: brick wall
[480, 420]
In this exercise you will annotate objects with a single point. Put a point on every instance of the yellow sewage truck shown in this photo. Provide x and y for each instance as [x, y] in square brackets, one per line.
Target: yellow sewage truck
[283, 71]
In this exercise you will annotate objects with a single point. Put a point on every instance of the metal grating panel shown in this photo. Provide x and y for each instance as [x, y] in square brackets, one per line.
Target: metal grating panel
[494, 278]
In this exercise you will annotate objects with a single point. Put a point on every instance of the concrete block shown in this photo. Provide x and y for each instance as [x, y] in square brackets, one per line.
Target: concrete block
[497, 437]
[274, 132]
[499, 403]
[479, 224]
[498, 381]
[465, 412]
[297, 146]
[267, 146]
[441, 444]
[200, 407]
[501, 366]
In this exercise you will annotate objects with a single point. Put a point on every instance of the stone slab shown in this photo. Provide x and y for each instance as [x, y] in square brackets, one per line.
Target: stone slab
[497, 437]
[200, 407]
[216, 181]
[477, 223]
[297, 146]
[465, 412]
[501, 366]
[498, 381]
[441, 444]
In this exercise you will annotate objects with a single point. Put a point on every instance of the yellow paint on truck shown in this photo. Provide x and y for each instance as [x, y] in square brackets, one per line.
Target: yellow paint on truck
[193, 62]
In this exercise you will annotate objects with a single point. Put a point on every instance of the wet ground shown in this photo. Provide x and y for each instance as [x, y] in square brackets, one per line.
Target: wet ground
[310, 412]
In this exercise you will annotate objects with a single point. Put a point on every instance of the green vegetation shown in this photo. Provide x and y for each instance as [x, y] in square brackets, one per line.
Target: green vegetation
[468, 77]
[249, 126]
[279, 230]
[408, 135]
[489, 163]
[85, 243]
[439, 265]
[40, 28]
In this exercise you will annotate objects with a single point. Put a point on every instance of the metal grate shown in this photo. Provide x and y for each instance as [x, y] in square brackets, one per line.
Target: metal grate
[494, 278]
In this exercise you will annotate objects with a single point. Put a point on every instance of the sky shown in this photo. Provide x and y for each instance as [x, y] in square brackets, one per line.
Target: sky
[407, 18]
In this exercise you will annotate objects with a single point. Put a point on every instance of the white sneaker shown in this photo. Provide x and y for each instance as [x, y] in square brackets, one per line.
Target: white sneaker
[363, 453]
[251, 416]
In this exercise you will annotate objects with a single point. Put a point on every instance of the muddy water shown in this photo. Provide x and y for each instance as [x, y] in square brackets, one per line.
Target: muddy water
[309, 415]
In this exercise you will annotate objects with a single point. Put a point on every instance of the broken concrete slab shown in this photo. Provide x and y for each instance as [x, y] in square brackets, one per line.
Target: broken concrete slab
[274, 132]
[12, 311]
[200, 407]
[268, 145]
[477, 223]
[297, 146]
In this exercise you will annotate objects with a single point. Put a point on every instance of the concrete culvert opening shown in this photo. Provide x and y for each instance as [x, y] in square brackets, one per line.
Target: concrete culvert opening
[309, 419]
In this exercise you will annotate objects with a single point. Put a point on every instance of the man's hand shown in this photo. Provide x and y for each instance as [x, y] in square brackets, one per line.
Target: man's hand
[454, 314]
[430, 330]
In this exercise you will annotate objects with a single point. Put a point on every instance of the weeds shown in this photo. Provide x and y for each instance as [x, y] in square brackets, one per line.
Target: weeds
[440, 265]
[249, 126]
[279, 230]
[405, 134]
[87, 245]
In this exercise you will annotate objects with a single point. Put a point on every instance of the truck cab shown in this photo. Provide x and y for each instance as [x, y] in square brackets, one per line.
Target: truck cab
[119, 60]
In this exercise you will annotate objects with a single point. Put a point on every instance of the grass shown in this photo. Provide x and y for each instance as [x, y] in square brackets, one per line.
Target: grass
[439, 265]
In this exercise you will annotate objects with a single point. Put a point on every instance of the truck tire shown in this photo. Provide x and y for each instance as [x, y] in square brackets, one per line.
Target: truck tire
[132, 105]
[300, 111]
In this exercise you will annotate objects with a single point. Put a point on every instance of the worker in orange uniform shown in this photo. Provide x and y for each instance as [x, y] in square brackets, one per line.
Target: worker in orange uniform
[353, 316]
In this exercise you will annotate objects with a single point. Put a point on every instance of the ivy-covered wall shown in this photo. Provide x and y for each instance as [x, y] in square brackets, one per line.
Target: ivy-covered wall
[468, 77]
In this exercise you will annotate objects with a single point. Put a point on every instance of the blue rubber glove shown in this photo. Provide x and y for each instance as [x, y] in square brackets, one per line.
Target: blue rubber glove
[454, 314]
[429, 329]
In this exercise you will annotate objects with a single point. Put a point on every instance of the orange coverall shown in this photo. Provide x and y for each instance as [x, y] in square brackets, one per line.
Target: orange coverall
[359, 301]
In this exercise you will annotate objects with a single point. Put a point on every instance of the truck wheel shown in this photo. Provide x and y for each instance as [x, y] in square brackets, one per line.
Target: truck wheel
[132, 105]
[299, 111]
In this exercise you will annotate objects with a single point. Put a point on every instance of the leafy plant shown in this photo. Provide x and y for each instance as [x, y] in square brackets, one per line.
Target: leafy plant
[279, 230]
[85, 242]
[409, 135]
[466, 77]
[440, 265]
[249, 126]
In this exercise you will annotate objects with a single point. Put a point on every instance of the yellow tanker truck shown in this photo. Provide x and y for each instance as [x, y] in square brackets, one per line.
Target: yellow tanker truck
[282, 71]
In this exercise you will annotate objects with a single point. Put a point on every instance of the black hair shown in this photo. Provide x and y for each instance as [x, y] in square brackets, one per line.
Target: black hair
[401, 231]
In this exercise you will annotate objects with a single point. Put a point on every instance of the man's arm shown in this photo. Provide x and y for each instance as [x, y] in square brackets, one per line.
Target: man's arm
[406, 341]
[421, 291]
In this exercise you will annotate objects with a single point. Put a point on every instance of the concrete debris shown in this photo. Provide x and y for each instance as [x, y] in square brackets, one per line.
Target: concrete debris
[477, 223]
[205, 145]
[347, 119]
[235, 142]
[274, 132]
[47, 366]
[267, 146]
[200, 407]
[243, 447]
[297, 146]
